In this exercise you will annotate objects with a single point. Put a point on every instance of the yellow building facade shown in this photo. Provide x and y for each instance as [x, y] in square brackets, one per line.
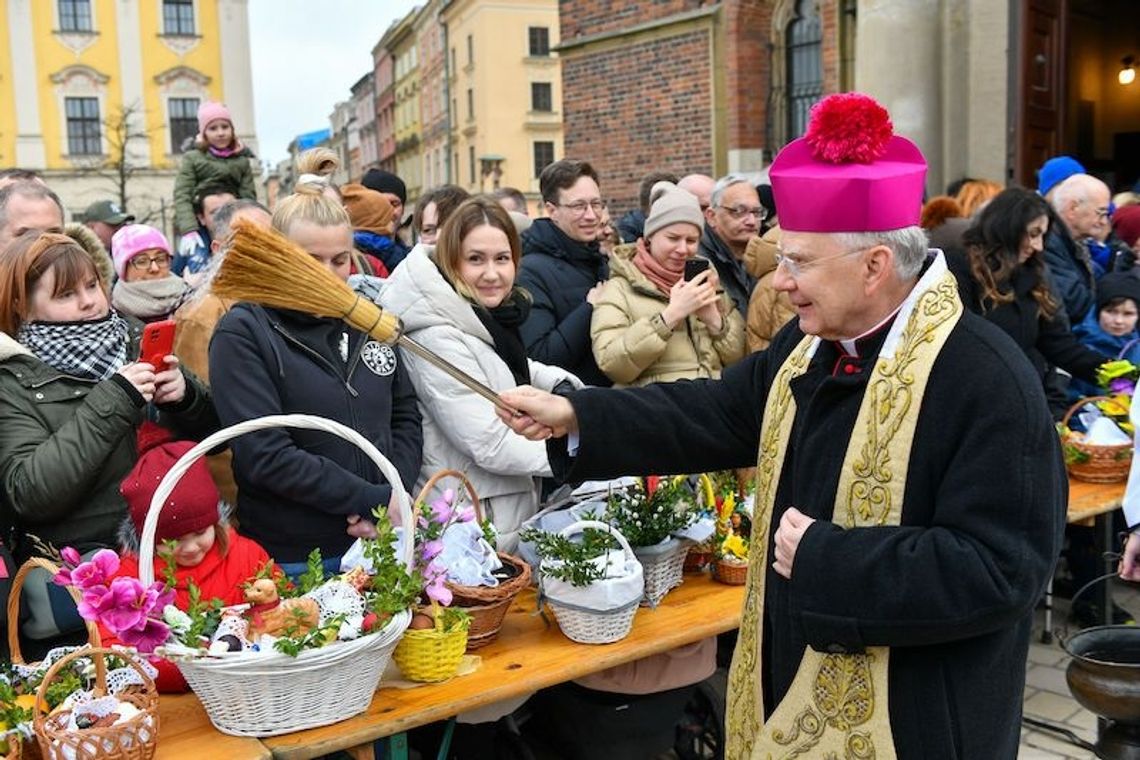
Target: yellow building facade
[81, 75]
[401, 42]
[505, 86]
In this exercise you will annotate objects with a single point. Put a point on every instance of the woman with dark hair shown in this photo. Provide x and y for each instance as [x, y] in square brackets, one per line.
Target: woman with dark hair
[460, 300]
[432, 210]
[1002, 276]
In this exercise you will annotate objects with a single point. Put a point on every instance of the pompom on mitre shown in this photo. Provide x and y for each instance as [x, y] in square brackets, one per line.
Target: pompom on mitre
[848, 128]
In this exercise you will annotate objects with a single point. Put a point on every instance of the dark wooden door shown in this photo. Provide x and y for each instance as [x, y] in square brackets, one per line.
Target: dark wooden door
[1040, 110]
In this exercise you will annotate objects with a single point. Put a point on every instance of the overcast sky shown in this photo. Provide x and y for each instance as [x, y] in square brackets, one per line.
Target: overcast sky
[305, 56]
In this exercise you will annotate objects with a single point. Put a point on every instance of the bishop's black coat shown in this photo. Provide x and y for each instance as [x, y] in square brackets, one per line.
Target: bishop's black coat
[951, 590]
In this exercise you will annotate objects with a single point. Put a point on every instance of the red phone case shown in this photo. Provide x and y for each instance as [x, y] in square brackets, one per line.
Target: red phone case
[157, 343]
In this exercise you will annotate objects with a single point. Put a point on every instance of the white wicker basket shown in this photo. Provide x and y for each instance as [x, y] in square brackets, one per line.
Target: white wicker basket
[591, 626]
[256, 694]
[664, 568]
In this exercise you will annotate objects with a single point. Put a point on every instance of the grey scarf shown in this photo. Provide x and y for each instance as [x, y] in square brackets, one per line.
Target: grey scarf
[149, 299]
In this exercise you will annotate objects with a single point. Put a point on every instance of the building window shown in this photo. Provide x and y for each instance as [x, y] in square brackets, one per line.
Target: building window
[541, 97]
[453, 61]
[75, 15]
[471, 162]
[805, 66]
[847, 24]
[470, 50]
[84, 132]
[470, 104]
[178, 17]
[543, 156]
[183, 123]
[453, 170]
[539, 41]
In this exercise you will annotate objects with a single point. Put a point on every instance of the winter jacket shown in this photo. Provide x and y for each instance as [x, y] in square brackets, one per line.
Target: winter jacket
[217, 576]
[200, 169]
[634, 346]
[1043, 340]
[297, 487]
[194, 326]
[734, 278]
[558, 271]
[1092, 335]
[461, 430]
[1071, 275]
[91, 243]
[768, 310]
[67, 443]
[951, 589]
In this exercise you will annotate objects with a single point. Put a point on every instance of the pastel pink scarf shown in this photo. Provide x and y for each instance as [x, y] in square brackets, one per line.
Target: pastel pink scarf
[660, 275]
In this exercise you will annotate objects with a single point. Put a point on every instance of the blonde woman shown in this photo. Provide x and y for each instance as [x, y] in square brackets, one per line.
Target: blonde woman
[300, 490]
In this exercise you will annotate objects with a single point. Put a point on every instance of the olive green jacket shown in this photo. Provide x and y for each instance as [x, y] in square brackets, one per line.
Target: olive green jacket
[66, 444]
[633, 347]
[200, 169]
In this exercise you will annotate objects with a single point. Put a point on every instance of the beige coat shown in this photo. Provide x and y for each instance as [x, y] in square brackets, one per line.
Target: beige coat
[634, 348]
[768, 310]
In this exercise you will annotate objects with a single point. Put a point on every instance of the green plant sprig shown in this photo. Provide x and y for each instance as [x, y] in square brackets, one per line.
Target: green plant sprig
[649, 520]
[293, 643]
[393, 589]
[574, 556]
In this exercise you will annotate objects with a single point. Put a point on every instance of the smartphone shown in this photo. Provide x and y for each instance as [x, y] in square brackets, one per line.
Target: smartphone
[157, 343]
[694, 267]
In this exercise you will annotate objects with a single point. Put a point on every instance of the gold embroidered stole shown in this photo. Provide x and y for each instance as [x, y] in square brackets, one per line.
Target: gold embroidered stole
[837, 705]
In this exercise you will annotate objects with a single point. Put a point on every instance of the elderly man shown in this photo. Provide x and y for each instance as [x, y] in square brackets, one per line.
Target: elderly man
[732, 219]
[701, 186]
[1081, 205]
[907, 517]
[28, 205]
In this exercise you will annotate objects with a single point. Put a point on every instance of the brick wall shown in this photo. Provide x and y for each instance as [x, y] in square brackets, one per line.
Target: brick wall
[639, 107]
[747, 25]
[582, 17]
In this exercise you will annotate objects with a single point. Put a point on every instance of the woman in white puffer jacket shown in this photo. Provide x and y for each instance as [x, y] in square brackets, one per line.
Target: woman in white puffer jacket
[459, 300]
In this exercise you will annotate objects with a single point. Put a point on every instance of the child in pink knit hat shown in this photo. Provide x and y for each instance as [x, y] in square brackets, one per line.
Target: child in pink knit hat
[217, 161]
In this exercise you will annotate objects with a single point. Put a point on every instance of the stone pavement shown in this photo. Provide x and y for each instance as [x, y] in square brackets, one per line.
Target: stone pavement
[1047, 696]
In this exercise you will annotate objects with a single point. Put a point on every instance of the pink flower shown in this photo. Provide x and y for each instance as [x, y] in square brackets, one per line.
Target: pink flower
[95, 602]
[467, 514]
[441, 511]
[438, 591]
[127, 605]
[431, 549]
[71, 556]
[97, 571]
[147, 636]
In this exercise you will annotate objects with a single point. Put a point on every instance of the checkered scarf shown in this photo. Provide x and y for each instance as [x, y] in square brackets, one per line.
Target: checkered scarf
[92, 350]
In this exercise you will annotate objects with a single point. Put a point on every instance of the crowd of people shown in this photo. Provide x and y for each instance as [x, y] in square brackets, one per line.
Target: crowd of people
[707, 278]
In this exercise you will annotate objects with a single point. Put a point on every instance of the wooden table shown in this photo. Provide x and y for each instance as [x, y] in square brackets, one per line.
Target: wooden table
[1090, 500]
[527, 656]
[185, 732]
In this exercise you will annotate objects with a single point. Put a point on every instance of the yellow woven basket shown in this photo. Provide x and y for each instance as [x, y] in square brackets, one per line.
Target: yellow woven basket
[430, 655]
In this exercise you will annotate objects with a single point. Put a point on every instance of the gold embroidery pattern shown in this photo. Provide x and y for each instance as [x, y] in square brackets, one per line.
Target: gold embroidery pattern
[744, 697]
[839, 691]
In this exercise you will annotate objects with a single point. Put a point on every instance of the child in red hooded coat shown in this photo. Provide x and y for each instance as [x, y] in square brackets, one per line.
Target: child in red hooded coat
[208, 551]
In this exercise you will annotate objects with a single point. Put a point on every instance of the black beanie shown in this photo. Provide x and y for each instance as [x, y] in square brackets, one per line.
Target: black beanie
[385, 182]
[1117, 285]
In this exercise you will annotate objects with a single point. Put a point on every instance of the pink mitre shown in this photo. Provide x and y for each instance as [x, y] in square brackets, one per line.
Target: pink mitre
[849, 172]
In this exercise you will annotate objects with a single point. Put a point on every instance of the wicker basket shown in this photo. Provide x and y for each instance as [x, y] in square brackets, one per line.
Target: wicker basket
[431, 655]
[29, 750]
[588, 626]
[487, 605]
[664, 567]
[258, 694]
[133, 739]
[697, 560]
[1092, 463]
[734, 573]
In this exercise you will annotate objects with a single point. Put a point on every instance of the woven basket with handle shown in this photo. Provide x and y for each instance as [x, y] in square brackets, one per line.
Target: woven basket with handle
[487, 605]
[261, 694]
[31, 750]
[133, 739]
[1090, 462]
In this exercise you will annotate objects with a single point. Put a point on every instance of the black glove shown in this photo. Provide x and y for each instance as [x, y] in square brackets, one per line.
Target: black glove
[1123, 259]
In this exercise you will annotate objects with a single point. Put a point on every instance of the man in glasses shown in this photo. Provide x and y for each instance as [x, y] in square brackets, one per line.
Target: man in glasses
[1081, 206]
[910, 492]
[563, 269]
[731, 220]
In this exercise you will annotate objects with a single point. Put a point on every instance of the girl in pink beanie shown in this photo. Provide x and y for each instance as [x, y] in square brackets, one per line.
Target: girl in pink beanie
[217, 162]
